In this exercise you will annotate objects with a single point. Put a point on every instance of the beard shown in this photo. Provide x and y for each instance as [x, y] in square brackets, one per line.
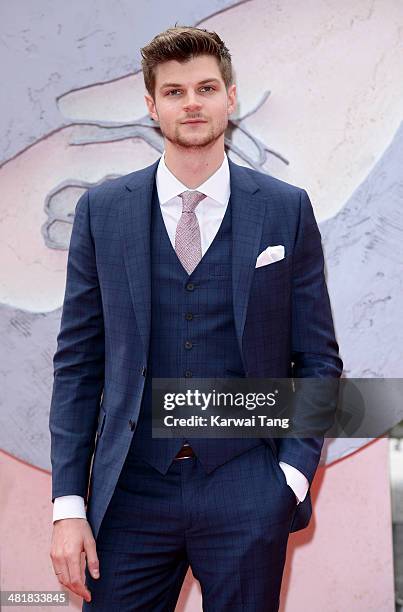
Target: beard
[188, 138]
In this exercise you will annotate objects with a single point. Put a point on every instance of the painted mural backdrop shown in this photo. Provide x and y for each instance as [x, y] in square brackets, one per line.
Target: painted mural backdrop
[320, 106]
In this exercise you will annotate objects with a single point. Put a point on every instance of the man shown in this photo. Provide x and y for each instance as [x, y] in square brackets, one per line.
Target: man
[162, 282]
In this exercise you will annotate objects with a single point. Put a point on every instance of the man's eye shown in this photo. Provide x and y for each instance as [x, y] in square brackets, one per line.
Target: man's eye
[174, 91]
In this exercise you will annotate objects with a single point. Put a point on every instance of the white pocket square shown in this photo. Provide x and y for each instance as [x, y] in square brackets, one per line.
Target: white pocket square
[270, 255]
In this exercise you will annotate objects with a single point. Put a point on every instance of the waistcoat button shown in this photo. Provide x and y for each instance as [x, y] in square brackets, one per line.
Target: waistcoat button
[190, 286]
[188, 344]
[188, 374]
[188, 316]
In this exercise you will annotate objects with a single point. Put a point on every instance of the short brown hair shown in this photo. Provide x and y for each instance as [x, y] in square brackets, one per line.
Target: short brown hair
[182, 43]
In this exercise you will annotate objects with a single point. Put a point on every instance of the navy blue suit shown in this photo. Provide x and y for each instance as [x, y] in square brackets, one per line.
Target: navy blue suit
[274, 321]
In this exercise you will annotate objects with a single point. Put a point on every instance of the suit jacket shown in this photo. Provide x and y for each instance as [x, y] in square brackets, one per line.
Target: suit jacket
[282, 318]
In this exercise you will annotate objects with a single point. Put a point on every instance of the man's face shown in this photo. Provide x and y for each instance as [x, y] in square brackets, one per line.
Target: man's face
[191, 91]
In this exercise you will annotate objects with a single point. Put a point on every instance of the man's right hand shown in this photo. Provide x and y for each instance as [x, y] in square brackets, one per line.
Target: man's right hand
[71, 537]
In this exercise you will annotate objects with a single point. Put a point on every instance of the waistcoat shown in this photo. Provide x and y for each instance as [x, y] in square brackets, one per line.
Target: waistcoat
[192, 335]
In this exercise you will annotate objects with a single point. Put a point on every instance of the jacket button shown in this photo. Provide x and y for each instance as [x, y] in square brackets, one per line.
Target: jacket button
[132, 424]
[188, 316]
[188, 344]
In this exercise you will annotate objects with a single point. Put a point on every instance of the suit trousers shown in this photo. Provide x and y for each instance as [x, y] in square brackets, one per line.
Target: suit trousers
[231, 526]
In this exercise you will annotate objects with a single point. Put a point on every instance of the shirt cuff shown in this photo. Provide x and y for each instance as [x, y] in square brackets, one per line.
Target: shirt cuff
[68, 506]
[296, 480]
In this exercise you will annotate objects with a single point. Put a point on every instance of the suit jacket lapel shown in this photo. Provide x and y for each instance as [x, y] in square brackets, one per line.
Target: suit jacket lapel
[135, 223]
[248, 211]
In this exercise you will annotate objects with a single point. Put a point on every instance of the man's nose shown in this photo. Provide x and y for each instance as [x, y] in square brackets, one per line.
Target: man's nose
[191, 102]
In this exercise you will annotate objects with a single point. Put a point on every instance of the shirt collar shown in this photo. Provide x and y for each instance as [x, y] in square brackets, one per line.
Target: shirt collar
[217, 186]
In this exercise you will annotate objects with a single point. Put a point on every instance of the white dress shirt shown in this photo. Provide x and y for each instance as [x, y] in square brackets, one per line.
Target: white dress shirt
[210, 213]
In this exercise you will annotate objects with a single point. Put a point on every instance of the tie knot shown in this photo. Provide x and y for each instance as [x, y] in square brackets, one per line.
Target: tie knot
[190, 200]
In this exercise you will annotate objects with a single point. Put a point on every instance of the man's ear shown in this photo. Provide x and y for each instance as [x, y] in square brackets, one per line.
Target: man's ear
[151, 107]
[231, 94]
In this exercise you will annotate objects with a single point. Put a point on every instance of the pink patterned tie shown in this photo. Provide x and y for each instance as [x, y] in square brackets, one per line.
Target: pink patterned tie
[187, 237]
